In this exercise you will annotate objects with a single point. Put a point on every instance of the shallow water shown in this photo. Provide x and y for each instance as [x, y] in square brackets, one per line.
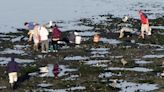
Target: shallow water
[96, 62]
[157, 27]
[143, 62]
[153, 56]
[63, 70]
[14, 13]
[137, 69]
[133, 87]
[99, 51]
[5, 60]
[44, 85]
[76, 58]
[110, 41]
[13, 51]
[62, 90]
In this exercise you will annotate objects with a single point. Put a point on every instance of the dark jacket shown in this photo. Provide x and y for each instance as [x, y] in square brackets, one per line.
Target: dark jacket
[12, 66]
[56, 69]
[56, 33]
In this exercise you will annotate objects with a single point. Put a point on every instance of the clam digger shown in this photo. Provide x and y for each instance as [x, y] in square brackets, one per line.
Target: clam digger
[12, 69]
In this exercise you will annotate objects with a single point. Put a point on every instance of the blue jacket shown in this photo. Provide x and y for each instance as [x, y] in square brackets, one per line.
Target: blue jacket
[31, 25]
[12, 66]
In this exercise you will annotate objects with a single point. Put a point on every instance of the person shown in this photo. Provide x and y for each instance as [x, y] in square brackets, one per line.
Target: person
[56, 70]
[13, 68]
[56, 34]
[36, 37]
[144, 24]
[29, 25]
[125, 30]
[43, 33]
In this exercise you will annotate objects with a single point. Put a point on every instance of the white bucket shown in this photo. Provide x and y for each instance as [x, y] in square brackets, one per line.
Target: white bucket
[77, 39]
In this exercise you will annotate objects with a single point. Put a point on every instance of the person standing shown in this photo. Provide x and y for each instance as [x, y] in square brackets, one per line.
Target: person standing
[43, 33]
[36, 37]
[56, 33]
[144, 24]
[13, 68]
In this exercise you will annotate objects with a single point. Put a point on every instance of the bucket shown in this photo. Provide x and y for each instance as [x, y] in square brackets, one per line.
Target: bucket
[77, 39]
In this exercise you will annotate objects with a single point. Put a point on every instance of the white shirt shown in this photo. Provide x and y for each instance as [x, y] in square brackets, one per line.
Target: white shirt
[43, 32]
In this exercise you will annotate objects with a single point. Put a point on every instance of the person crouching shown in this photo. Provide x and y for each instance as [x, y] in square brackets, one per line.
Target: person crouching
[56, 70]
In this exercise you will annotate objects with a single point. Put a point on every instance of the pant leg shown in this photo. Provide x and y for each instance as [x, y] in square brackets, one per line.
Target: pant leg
[46, 45]
[147, 29]
[42, 45]
[54, 44]
[143, 28]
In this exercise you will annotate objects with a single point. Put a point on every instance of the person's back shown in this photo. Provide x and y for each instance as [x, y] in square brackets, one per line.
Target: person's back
[143, 17]
[56, 33]
[12, 68]
[43, 32]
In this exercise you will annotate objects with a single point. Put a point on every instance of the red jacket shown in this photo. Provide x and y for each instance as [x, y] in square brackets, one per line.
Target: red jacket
[56, 33]
[144, 19]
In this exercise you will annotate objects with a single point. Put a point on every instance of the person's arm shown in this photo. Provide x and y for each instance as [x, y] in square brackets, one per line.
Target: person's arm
[30, 38]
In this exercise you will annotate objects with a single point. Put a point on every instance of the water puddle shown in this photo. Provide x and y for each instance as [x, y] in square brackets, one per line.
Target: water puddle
[13, 51]
[17, 39]
[72, 77]
[4, 60]
[108, 74]
[153, 56]
[44, 85]
[3, 87]
[110, 41]
[76, 58]
[61, 90]
[143, 62]
[151, 45]
[137, 69]
[134, 87]
[63, 70]
[157, 27]
[116, 57]
[72, 25]
[100, 51]
[96, 62]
